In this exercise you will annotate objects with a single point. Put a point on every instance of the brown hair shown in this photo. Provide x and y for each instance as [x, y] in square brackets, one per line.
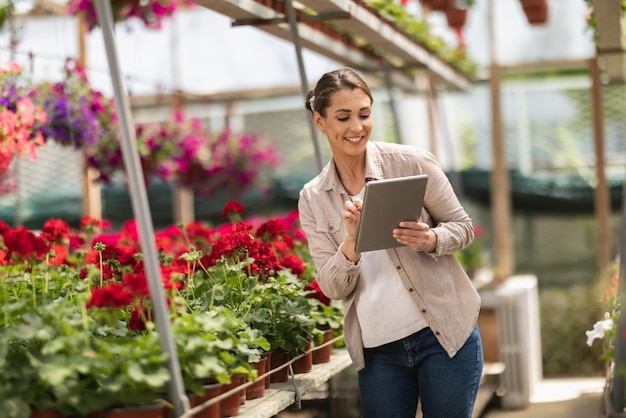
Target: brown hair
[318, 99]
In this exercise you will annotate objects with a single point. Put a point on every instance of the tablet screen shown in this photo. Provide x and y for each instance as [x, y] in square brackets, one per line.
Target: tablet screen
[385, 204]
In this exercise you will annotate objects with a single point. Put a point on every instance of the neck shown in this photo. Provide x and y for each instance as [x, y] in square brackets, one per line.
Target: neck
[352, 174]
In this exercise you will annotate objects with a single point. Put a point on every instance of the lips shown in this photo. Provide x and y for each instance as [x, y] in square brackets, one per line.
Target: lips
[353, 139]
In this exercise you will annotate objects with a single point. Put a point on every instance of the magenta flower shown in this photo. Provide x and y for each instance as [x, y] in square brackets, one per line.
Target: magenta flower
[151, 12]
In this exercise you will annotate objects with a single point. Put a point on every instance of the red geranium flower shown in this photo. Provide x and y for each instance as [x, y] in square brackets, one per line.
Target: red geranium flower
[24, 243]
[60, 255]
[55, 230]
[317, 293]
[137, 283]
[113, 295]
[91, 225]
[272, 229]
[232, 208]
[138, 318]
[294, 264]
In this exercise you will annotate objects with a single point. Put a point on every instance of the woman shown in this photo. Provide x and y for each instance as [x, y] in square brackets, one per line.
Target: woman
[410, 312]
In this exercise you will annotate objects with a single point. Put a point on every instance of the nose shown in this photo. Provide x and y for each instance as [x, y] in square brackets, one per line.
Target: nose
[356, 125]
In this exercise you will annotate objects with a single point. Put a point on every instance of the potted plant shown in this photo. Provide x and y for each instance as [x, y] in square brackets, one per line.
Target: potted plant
[151, 13]
[536, 11]
[456, 17]
[420, 32]
[57, 355]
[20, 118]
[77, 331]
[605, 330]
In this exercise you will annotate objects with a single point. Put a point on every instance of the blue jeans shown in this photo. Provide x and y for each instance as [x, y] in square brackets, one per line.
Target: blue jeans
[397, 374]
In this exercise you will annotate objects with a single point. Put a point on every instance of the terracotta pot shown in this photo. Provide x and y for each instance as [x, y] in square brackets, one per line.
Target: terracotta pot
[536, 11]
[278, 359]
[46, 413]
[148, 411]
[210, 391]
[268, 367]
[322, 355]
[257, 389]
[456, 18]
[532, 3]
[304, 364]
[437, 5]
[229, 406]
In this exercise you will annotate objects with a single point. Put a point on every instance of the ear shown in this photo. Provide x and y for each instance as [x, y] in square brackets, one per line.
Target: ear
[319, 121]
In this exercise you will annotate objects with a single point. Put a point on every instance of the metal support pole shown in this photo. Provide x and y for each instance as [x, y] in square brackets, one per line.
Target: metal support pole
[293, 25]
[141, 210]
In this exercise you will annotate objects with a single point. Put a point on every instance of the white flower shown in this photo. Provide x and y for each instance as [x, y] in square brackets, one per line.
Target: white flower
[599, 328]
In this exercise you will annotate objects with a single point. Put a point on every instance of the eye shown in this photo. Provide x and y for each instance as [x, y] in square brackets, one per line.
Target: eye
[365, 116]
[343, 118]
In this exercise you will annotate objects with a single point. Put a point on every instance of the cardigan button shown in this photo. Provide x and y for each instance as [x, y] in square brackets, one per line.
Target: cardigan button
[411, 289]
[398, 267]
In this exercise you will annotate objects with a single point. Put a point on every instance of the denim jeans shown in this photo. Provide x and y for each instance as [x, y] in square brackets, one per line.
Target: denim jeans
[397, 374]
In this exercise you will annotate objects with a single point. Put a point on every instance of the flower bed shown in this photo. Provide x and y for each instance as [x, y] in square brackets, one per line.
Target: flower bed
[77, 331]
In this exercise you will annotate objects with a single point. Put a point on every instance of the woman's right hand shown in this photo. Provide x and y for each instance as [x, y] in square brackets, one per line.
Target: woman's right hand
[351, 216]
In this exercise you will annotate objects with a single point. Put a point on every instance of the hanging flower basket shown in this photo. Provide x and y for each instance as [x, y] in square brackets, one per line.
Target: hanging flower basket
[436, 5]
[20, 119]
[536, 11]
[151, 12]
[455, 17]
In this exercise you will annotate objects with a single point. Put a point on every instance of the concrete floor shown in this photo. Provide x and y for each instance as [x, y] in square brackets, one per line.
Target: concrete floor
[554, 398]
[558, 398]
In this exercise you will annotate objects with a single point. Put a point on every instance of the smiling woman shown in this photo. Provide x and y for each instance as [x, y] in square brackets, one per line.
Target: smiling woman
[396, 299]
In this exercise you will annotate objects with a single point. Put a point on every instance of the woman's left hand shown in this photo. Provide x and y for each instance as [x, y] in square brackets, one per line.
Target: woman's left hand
[416, 235]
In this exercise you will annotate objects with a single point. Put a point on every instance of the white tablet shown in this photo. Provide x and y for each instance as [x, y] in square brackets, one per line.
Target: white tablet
[386, 203]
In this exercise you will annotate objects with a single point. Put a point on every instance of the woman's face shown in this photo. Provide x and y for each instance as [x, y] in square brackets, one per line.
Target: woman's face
[348, 122]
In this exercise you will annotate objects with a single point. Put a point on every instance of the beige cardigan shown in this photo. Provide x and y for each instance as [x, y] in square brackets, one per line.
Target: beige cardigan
[436, 281]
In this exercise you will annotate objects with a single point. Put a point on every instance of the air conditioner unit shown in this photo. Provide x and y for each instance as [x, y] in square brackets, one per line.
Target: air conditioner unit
[517, 312]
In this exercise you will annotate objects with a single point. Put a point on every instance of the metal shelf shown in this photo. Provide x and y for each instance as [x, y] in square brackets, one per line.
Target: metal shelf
[281, 395]
[385, 37]
[401, 51]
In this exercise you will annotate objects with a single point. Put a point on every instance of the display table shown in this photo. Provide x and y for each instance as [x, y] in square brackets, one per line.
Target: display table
[281, 395]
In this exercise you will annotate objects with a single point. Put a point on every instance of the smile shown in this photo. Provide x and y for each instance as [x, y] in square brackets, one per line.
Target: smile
[353, 139]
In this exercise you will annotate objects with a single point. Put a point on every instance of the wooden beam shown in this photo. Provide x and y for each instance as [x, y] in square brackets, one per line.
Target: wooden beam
[504, 256]
[431, 110]
[608, 16]
[609, 40]
[92, 195]
[183, 197]
[602, 202]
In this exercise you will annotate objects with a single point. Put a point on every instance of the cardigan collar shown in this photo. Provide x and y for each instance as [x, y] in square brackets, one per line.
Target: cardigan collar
[373, 170]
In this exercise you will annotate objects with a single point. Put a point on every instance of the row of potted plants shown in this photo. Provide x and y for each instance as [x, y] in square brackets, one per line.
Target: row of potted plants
[77, 332]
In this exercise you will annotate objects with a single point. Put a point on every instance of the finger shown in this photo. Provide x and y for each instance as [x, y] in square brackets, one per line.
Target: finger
[351, 207]
[414, 225]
